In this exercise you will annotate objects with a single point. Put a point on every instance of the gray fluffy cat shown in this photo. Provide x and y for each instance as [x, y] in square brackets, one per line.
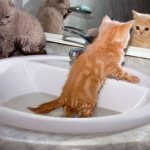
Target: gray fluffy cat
[20, 33]
[52, 14]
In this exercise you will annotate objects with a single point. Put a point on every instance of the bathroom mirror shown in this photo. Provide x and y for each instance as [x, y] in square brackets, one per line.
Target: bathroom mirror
[118, 9]
[86, 16]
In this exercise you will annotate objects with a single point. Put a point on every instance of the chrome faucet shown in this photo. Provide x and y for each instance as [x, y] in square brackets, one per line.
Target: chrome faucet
[80, 33]
[76, 52]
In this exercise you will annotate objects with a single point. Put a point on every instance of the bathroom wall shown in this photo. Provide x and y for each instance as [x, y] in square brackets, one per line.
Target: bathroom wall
[116, 9]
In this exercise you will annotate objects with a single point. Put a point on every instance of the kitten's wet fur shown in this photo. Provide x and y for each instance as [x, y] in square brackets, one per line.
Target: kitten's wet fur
[19, 29]
[101, 60]
[140, 35]
[52, 14]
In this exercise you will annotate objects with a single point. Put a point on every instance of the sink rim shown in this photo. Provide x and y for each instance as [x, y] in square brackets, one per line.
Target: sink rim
[127, 121]
[35, 57]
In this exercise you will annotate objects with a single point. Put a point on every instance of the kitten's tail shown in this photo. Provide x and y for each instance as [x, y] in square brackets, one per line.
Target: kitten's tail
[46, 107]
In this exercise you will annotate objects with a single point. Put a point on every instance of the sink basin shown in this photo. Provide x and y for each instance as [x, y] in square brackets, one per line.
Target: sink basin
[30, 81]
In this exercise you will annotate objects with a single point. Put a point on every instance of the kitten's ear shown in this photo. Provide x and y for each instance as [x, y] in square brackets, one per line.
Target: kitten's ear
[106, 19]
[135, 14]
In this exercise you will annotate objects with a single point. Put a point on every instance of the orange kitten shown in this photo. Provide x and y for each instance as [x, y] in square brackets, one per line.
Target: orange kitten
[140, 35]
[102, 59]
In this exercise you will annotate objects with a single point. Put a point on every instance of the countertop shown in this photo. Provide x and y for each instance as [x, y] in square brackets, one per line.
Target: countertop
[12, 138]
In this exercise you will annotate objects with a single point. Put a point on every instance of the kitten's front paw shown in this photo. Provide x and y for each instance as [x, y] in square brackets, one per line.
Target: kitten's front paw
[134, 79]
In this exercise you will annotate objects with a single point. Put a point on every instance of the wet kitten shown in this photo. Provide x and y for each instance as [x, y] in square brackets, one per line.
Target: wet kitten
[102, 59]
[52, 15]
[19, 31]
[140, 35]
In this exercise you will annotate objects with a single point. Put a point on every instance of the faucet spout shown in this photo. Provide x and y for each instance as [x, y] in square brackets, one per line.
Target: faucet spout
[74, 53]
[80, 33]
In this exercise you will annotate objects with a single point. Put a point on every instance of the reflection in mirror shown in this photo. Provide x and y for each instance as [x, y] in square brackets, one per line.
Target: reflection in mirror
[119, 9]
[84, 16]
[140, 36]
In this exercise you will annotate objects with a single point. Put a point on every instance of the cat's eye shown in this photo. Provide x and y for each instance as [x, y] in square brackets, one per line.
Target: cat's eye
[146, 29]
[7, 17]
[137, 28]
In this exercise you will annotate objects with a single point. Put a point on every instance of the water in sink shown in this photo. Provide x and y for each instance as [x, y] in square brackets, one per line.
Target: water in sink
[34, 99]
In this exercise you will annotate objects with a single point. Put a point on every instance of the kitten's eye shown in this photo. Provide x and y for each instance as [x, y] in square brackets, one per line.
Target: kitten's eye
[7, 17]
[137, 28]
[146, 29]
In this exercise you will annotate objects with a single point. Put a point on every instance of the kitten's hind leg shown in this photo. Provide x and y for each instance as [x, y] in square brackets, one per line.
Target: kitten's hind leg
[85, 109]
[27, 47]
[67, 111]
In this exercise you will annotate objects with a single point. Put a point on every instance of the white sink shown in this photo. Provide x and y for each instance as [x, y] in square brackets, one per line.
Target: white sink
[29, 81]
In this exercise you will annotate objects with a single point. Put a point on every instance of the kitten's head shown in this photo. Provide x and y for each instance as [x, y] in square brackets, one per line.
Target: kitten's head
[114, 32]
[141, 26]
[61, 5]
[6, 12]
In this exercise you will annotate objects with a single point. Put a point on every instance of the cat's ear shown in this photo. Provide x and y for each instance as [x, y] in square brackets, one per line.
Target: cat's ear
[106, 19]
[135, 14]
